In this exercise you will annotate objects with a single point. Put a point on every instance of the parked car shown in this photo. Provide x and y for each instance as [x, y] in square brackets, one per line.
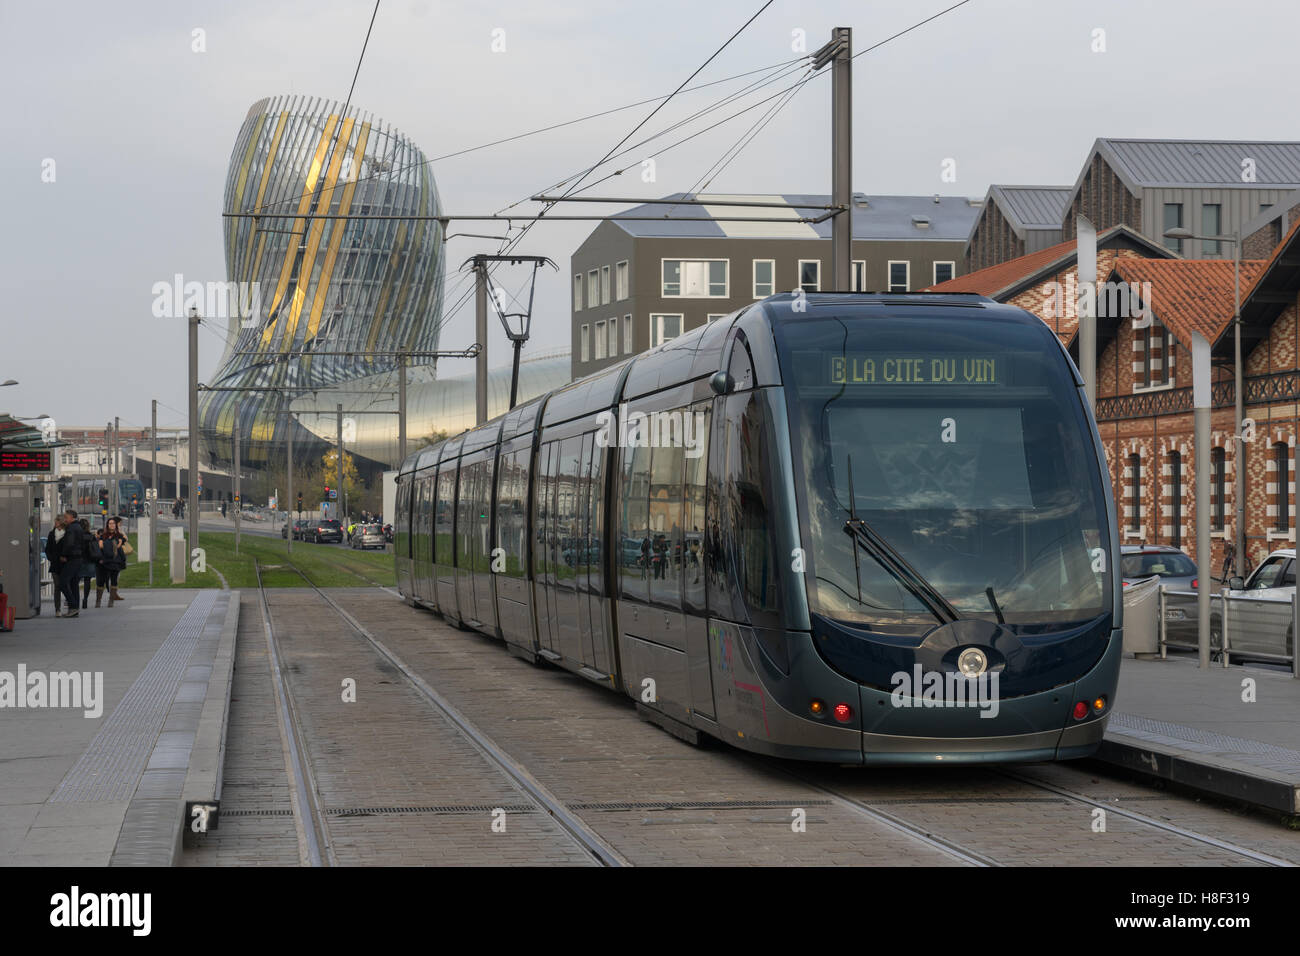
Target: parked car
[300, 529]
[1137, 562]
[1264, 627]
[327, 530]
[368, 536]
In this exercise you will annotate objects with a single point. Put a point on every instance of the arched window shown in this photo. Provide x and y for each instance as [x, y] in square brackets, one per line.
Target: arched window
[1283, 480]
[1176, 506]
[1219, 487]
[1135, 499]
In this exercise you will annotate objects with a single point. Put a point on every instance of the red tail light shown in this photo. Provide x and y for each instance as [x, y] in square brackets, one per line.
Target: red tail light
[1193, 584]
[1080, 710]
[843, 712]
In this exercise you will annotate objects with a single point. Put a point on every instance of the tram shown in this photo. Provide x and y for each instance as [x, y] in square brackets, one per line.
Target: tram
[856, 528]
[130, 495]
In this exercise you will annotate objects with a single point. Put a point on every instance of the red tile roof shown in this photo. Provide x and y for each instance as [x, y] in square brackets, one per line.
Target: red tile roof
[1004, 275]
[1189, 295]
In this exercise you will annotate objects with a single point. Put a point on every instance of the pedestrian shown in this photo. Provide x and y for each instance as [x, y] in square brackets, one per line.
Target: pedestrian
[112, 561]
[71, 550]
[223, 507]
[52, 551]
[89, 562]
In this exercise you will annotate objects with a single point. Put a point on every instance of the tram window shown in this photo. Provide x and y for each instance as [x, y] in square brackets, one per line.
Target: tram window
[634, 546]
[693, 526]
[665, 510]
[442, 513]
[741, 368]
[465, 513]
[597, 514]
[747, 579]
[567, 506]
[511, 528]
[541, 511]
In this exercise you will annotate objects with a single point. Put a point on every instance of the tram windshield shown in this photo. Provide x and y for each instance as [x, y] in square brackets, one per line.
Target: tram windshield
[945, 469]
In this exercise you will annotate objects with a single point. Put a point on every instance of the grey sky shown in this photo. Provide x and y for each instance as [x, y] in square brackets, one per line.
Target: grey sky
[141, 130]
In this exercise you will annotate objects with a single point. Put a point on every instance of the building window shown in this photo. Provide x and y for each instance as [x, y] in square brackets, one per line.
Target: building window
[1173, 220]
[900, 276]
[1176, 506]
[695, 278]
[613, 337]
[627, 335]
[714, 316]
[859, 275]
[600, 341]
[943, 271]
[1283, 499]
[764, 278]
[810, 275]
[1135, 493]
[593, 288]
[1210, 225]
[577, 293]
[664, 326]
[1157, 344]
[604, 285]
[1219, 485]
[583, 346]
[620, 280]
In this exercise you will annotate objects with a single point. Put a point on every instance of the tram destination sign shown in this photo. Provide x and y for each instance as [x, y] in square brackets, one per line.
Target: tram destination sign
[21, 460]
[914, 369]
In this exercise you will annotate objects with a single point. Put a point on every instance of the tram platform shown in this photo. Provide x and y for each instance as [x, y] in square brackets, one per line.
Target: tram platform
[1228, 731]
[100, 767]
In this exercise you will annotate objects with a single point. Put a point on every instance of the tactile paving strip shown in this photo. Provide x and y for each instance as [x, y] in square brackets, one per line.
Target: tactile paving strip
[1205, 741]
[112, 764]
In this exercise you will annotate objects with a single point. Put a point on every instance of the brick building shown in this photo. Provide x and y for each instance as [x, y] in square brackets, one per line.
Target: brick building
[1144, 394]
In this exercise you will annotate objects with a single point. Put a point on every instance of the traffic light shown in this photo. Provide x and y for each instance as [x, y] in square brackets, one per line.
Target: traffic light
[327, 492]
[300, 502]
[103, 499]
[135, 504]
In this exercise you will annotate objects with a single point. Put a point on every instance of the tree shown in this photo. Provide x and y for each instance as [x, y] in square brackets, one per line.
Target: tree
[353, 488]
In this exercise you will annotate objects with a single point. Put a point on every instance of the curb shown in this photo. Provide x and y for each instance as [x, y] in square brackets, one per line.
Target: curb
[1255, 787]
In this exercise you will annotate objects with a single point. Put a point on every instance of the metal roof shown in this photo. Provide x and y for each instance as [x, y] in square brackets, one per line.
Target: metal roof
[1032, 207]
[946, 218]
[15, 433]
[1199, 163]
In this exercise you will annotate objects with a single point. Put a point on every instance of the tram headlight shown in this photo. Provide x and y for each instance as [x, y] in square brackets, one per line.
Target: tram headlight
[972, 662]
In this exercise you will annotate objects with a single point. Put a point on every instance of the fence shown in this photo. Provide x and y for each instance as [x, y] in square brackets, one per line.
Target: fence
[1256, 628]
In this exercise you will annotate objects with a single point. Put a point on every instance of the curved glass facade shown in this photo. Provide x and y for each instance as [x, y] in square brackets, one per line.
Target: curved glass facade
[443, 406]
[324, 285]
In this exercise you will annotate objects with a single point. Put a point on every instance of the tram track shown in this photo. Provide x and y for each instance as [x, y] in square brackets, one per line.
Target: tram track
[308, 814]
[576, 830]
[1227, 846]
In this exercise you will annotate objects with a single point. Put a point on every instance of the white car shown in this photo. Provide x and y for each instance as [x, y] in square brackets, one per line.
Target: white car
[1265, 627]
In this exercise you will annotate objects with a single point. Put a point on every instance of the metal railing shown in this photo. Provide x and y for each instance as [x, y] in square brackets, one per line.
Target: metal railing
[1255, 628]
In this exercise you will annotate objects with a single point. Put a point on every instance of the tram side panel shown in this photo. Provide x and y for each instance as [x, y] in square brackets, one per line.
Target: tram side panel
[443, 517]
[513, 586]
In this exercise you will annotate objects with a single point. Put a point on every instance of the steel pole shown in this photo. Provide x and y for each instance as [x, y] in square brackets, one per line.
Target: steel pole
[480, 335]
[338, 456]
[115, 500]
[1201, 405]
[401, 408]
[238, 506]
[1239, 566]
[1087, 307]
[153, 485]
[288, 531]
[842, 161]
[194, 428]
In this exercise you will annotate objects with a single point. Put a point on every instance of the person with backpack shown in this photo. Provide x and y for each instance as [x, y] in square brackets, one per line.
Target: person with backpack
[112, 561]
[72, 551]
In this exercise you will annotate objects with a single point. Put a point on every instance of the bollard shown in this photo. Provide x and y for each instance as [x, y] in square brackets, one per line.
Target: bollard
[177, 554]
[1163, 635]
[1295, 630]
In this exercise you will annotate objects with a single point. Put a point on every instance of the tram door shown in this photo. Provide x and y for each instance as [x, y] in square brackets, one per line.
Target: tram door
[548, 458]
[566, 554]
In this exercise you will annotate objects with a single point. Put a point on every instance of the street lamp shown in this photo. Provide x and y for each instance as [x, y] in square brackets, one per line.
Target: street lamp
[1239, 394]
[11, 381]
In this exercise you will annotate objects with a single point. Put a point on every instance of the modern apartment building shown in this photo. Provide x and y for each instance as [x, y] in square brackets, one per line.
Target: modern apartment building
[638, 282]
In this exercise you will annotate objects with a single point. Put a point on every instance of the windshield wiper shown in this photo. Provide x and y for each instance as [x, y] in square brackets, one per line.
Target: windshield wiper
[887, 557]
